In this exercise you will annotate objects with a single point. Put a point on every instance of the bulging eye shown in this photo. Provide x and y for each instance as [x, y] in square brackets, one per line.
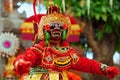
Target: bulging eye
[56, 25]
[52, 25]
[60, 26]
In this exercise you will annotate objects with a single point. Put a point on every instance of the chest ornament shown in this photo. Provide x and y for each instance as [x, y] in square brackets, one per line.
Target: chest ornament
[62, 61]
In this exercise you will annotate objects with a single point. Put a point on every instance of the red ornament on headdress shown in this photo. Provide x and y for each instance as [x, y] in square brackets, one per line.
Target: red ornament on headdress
[52, 9]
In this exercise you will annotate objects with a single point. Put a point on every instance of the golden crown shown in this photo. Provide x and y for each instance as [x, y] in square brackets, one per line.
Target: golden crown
[53, 15]
[9, 69]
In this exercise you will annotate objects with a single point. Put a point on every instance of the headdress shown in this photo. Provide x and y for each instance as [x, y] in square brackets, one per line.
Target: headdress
[9, 68]
[53, 15]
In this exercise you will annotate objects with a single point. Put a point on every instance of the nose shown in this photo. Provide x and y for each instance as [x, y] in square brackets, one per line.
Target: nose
[57, 26]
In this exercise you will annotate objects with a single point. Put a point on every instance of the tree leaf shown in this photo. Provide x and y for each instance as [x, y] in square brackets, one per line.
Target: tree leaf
[108, 28]
[97, 16]
[104, 17]
[99, 35]
[103, 9]
[118, 16]
[114, 16]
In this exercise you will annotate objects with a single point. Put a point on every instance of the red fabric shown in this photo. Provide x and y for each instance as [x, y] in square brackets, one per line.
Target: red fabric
[84, 64]
[30, 58]
[24, 67]
[73, 76]
[64, 44]
[74, 38]
[33, 18]
[33, 57]
[27, 36]
[111, 72]
[42, 43]
[88, 65]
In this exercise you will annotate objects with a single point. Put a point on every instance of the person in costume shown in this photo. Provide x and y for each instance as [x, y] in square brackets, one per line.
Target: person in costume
[51, 55]
[9, 73]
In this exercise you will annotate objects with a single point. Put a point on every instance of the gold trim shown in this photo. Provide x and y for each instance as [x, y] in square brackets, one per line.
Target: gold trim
[54, 17]
[36, 49]
[54, 76]
[44, 58]
[62, 62]
[59, 49]
[32, 77]
[64, 75]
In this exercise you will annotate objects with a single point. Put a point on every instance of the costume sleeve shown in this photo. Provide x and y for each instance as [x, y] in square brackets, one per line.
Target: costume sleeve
[88, 65]
[32, 54]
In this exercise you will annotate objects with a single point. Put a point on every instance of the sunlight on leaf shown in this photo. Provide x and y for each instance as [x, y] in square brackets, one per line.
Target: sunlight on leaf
[97, 16]
[104, 17]
[103, 9]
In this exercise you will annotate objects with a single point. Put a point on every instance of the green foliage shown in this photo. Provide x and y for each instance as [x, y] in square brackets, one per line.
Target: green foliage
[55, 2]
[108, 28]
[58, 3]
[99, 34]
[99, 11]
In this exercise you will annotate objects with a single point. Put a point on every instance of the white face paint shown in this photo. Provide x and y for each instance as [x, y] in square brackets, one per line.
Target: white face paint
[56, 30]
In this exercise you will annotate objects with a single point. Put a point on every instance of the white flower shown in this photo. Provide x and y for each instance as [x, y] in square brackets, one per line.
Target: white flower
[9, 43]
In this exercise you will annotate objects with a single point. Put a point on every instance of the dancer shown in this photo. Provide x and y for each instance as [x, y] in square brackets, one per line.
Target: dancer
[51, 57]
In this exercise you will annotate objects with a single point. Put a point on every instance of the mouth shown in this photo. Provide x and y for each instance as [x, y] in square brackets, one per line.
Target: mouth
[56, 34]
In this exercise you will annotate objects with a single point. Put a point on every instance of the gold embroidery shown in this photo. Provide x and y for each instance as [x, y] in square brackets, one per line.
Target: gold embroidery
[54, 76]
[32, 77]
[64, 75]
[45, 63]
[51, 76]
[36, 49]
[61, 50]
[61, 63]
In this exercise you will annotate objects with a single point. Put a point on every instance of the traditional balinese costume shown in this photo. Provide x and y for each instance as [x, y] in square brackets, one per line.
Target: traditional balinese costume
[51, 57]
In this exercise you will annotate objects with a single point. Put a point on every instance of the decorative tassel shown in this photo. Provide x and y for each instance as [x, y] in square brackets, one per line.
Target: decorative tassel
[111, 3]
[64, 35]
[47, 36]
[46, 42]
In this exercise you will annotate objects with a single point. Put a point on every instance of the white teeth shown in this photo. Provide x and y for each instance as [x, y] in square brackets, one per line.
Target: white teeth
[56, 33]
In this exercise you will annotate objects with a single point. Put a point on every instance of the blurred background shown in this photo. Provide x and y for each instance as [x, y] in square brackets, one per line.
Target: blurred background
[95, 28]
